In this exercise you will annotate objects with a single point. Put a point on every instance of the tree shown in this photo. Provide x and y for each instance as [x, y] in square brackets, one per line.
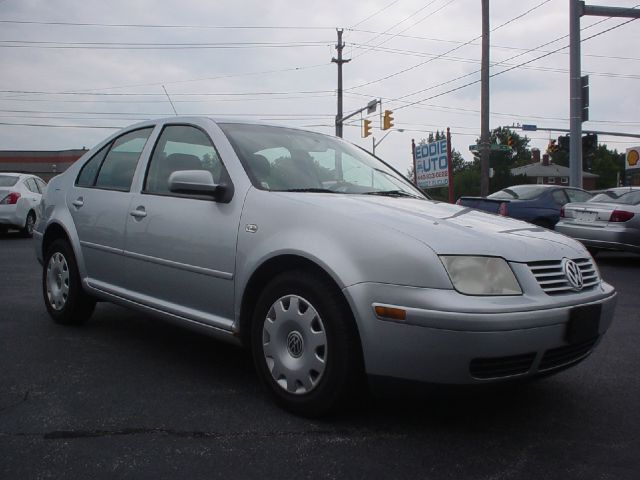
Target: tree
[608, 164]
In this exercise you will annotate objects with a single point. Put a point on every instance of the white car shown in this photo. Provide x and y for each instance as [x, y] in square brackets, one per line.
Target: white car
[20, 196]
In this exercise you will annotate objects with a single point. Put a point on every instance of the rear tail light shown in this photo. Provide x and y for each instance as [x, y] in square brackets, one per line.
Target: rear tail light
[562, 212]
[10, 199]
[503, 209]
[620, 216]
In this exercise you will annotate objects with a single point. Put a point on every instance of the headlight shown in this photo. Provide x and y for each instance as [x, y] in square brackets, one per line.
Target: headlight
[481, 275]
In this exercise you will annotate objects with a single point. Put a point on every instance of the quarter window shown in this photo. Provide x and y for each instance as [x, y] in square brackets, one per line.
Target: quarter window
[119, 165]
[559, 197]
[181, 147]
[89, 171]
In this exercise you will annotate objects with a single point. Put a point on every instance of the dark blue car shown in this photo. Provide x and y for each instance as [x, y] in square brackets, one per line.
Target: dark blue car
[538, 204]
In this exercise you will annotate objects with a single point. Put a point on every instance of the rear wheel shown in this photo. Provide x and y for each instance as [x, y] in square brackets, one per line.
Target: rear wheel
[29, 224]
[305, 345]
[66, 301]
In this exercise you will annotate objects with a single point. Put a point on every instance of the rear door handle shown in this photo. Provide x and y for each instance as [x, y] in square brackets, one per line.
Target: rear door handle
[138, 213]
[78, 202]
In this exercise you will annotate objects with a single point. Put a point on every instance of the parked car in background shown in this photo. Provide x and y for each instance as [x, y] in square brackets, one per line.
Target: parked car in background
[604, 222]
[20, 196]
[537, 204]
[319, 257]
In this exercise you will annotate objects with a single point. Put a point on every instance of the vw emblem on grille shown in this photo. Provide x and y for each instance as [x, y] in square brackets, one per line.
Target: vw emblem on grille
[573, 274]
[295, 344]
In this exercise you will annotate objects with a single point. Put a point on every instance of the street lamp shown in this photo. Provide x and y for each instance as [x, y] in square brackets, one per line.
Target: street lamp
[375, 144]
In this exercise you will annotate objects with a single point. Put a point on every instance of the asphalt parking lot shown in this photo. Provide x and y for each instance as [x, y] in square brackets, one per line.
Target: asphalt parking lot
[129, 397]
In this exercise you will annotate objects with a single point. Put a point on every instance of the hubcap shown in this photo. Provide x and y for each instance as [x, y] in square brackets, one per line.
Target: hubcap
[294, 343]
[57, 282]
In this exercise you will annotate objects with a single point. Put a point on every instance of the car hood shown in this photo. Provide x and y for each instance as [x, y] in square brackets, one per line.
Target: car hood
[451, 229]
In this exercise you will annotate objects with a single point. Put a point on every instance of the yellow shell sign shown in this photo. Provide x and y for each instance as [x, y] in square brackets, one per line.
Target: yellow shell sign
[633, 158]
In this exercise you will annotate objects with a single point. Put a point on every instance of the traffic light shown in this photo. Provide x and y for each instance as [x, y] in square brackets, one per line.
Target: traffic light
[589, 143]
[552, 147]
[387, 120]
[563, 143]
[366, 128]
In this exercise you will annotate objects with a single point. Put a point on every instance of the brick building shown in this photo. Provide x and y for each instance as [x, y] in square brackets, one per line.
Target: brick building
[546, 172]
[45, 164]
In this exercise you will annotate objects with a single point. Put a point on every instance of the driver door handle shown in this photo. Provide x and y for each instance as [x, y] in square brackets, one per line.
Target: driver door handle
[138, 213]
[78, 202]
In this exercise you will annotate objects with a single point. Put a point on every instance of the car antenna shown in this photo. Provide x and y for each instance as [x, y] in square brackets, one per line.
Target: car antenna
[172, 105]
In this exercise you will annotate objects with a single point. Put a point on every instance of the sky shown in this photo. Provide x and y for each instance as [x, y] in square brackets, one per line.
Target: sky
[73, 72]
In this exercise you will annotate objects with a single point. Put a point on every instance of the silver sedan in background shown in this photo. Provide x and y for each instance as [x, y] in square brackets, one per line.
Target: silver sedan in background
[323, 260]
[606, 222]
[20, 195]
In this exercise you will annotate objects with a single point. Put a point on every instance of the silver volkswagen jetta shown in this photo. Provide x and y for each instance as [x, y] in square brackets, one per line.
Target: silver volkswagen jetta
[321, 258]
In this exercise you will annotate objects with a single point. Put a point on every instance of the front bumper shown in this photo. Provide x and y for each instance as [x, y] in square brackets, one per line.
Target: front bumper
[612, 237]
[475, 340]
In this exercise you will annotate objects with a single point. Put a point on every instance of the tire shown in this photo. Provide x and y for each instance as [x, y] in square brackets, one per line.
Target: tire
[29, 224]
[66, 301]
[544, 223]
[305, 344]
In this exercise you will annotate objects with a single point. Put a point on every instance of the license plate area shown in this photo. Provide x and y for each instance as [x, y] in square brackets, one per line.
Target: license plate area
[584, 323]
[586, 217]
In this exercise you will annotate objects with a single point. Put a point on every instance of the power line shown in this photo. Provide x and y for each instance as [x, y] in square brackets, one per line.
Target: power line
[147, 25]
[376, 13]
[504, 71]
[410, 26]
[475, 61]
[493, 46]
[386, 77]
[156, 46]
[190, 94]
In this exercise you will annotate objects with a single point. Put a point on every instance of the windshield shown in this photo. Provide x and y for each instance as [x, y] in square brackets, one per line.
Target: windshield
[519, 192]
[284, 159]
[8, 181]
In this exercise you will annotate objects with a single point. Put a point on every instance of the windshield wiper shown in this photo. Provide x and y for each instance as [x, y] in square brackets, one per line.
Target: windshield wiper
[311, 190]
[391, 193]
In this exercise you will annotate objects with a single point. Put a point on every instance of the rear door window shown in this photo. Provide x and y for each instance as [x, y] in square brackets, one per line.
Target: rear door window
[30, 183]
[119, 166]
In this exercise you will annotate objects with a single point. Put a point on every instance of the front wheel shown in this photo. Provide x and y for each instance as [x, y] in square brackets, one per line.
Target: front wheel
[305, 344]
[66, 301]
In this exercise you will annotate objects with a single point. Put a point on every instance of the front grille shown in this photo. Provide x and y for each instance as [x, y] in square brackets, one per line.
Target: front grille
[553, 280]
[498, 367]
[557, 357]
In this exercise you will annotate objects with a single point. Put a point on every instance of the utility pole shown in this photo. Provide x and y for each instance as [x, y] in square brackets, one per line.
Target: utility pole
[485, 141]
[339, 61]
[575, 94]
[577, 9]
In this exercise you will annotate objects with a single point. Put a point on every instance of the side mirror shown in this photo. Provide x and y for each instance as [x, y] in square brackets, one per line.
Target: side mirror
[196, 182]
